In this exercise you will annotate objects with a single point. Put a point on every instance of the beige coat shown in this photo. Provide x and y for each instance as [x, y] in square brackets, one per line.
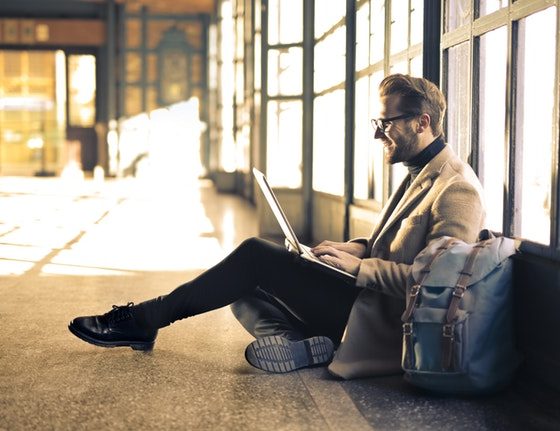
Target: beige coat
[444, 199]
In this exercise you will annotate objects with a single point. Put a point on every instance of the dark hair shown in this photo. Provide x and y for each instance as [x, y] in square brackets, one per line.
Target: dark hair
[417, 95]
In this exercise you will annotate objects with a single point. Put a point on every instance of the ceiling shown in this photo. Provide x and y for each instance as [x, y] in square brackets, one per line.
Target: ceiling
[171, 6]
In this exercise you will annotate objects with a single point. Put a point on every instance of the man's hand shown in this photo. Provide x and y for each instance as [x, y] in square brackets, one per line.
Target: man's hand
[339, 259]
[356, 249]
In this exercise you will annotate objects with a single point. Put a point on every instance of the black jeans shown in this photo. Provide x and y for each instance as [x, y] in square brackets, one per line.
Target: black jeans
[272, 292]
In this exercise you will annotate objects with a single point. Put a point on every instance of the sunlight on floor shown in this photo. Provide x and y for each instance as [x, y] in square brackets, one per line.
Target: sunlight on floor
[125, 228]
[150, 219]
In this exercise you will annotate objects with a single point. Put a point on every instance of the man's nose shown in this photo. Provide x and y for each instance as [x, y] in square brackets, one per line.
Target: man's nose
[378, 133]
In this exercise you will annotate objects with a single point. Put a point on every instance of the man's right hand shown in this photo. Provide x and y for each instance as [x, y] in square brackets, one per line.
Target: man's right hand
[356, 249]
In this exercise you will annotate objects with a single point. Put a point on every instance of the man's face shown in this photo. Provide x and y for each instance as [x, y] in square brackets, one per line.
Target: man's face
[399, 139]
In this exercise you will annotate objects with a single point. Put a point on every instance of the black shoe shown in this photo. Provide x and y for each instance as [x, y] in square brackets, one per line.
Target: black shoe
[116, 328]
[280, 355]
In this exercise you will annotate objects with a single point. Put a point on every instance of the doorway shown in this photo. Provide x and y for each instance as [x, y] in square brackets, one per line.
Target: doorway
[47, 111]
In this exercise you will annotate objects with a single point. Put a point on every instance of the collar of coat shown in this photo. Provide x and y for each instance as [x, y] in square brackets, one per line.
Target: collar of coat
[404, 197]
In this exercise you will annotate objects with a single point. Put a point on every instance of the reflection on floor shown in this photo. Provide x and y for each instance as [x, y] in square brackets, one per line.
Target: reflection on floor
[74, 249]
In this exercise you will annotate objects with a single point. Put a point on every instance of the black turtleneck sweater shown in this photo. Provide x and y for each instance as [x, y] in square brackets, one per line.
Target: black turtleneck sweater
[417, 163]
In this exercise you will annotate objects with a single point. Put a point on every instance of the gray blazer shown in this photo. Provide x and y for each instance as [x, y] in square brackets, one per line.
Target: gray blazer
[445, 199]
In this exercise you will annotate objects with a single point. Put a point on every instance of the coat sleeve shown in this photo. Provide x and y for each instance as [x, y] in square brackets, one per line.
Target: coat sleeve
[458, 211]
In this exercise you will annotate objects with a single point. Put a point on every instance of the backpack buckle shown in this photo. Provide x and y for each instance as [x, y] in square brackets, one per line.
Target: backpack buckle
[448, 331]
[414, 290]
[459, 291]
[407, 328]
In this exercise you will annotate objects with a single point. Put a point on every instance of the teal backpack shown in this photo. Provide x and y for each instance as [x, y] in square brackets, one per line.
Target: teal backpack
[458, 324]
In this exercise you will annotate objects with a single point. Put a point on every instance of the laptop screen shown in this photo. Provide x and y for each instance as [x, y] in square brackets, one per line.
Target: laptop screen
[276, 209]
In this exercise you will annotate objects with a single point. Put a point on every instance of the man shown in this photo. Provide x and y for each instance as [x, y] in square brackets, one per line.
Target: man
[298, 314]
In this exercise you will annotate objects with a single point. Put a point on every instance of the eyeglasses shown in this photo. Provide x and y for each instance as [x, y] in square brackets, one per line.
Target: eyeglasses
[381, 124]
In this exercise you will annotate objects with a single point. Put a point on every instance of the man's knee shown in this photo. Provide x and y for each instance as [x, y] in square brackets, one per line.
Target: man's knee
[252, 243]
[239, 308]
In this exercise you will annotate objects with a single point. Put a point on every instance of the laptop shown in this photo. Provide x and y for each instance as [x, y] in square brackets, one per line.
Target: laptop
[303, 250]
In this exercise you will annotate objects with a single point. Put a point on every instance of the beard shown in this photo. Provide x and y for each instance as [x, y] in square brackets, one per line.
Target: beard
[402, 148]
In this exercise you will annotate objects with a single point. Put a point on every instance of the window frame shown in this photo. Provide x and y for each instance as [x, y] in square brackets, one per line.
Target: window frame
[471, 32]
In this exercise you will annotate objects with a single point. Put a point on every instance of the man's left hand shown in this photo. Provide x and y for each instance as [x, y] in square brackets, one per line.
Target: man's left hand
[338, 259]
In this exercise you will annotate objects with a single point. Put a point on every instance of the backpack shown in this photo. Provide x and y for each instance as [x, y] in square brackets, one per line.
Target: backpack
[458, 324]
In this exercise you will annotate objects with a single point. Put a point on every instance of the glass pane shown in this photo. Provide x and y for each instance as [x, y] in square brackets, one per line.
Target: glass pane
[227, 85]
[488, 6]
[377, 164]
[81, 89]
[285, 71]
[257, 15]
[327, 14]
[239, 82]
[243, 148]
[401, 67]
[417, 22]
[363, 131]
[377, 31]
[291, 21]
[330, 60]
[239, 37]
[257, 65]
[133, 67]
[535, 103]
[328, 143]
[416, 66]
[212, 57]
[283, 144]
[285, 21]
[398, 172]
[362, 37]
[399, 26]
[491, 123]
[457, 99]
[457, 14]
[133, 100]
[368, 153]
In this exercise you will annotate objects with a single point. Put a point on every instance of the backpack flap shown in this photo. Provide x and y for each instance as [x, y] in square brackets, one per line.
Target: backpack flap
[446, 269]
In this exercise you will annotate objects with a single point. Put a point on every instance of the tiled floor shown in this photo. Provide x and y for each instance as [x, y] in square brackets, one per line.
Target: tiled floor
[75, 249]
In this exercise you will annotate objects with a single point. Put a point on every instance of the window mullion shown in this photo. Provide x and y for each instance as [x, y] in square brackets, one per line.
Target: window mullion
[555, 189]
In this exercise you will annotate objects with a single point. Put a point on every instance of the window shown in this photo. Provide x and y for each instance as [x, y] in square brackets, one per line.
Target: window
[242, 119]
[503, 116]
[457, 95]
[284, 91]
[329, 103]
[81, 88]
[227, 84]
[534, 109]
[284, 132]
[328, 143]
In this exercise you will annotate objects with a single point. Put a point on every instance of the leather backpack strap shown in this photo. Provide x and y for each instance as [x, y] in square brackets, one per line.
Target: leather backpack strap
[413, 300]
[458, 292]
[415, 289]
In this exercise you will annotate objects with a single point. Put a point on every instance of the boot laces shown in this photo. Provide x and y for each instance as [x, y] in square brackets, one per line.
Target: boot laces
[119, 312]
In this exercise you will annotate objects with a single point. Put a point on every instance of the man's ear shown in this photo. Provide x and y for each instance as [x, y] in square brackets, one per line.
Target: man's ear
[424, 122]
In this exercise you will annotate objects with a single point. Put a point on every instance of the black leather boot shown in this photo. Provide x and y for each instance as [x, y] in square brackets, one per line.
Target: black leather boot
[118, 327]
